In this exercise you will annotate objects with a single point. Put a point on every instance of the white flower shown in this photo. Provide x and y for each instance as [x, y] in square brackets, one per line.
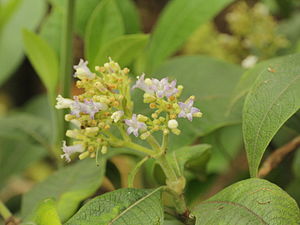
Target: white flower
[249, 61]
[116, 116]
[82, 70]
[69, 150]
[63, 103]
[172, 124]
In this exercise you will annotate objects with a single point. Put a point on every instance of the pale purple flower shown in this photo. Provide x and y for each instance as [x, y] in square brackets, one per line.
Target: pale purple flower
[160, 88]
[88, 107]
[143, 84]
[91, 107]
[163, 88]
[82, 70]
[134, 125]
[187, 109]
[69, 150]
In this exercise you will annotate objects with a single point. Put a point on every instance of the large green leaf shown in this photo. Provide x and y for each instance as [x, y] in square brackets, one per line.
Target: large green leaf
[211, 81]
[248, 78]
[177, 22]
[46, 213]
[273, 99]
[68, 186]
[16, 155]
[130, 16]
[11, 47]
[123, 49]
[35, 130]
[43, 59]
[104, 25]
[253, 201]
[226, 143]
[124, 207]
[51, 29]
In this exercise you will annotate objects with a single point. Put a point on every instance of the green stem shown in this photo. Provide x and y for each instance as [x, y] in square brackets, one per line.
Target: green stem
[66, 61]
[135, 170]
[165, 142]
[138, 148]
[4, 211]
[154, 144]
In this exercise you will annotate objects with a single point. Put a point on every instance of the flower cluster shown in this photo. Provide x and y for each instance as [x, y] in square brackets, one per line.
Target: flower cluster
[106, 104]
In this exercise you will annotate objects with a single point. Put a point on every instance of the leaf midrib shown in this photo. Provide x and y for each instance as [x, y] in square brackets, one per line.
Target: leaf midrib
[132, 205]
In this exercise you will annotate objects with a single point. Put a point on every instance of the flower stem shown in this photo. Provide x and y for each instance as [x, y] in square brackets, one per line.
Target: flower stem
[138, 148]
[66, 61]
[4, 211]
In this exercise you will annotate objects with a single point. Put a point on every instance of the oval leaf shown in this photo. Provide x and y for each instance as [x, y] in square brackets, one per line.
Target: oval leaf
[46, 213]
[177, 22]
[123, 49]
[68, 186]
[253, 201]
[11, 46]
[104, 25]
[273, 99]
[43, 59]
[123, 207]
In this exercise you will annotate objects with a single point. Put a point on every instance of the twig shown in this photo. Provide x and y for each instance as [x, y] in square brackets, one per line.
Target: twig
[277, 156]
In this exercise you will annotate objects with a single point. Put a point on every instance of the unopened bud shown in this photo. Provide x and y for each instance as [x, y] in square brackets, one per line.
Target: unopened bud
[83, 155]
[176, 131]
[104, 149]
[142, 118]
[172, 124]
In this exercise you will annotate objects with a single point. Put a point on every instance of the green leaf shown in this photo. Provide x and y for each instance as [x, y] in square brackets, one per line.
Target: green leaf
[11, 47]
[35, 130]
[193, 158]
[273, 99]
[51, 29]
[123, 49]
[226, 143]
[46, 213]
[253, 201]
[43, 59]
[123, 206]
[130, 16]
[212, 85]
[248, 78]
[177, 22]
[104, 25]
[68, 186]
[7, 9]
[16, 155]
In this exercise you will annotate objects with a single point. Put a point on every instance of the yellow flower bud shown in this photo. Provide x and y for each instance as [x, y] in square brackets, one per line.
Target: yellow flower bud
[83, 155]
[142, 118]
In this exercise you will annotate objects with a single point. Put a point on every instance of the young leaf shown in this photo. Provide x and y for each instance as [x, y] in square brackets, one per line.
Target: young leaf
[11, 47]
[68, 186]
[43, 59]
[193, 158]
[185, 16]
[273, 99]
[253, 201]
[123, 49]
[130, 16]
[123, 207]
[104, 25]
[46, 213]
